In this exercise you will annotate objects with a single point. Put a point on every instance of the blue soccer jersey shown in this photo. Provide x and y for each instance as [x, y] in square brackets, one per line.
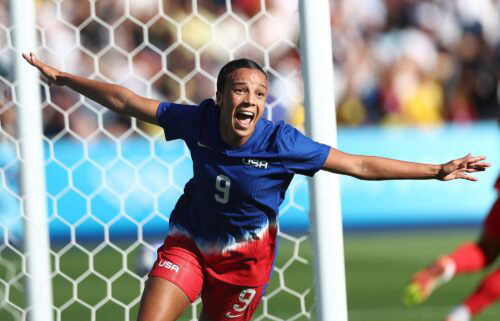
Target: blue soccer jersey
[230, 206]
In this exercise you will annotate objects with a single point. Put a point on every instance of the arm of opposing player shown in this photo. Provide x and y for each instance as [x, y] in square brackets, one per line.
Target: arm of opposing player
[114, 97]
[379, 168]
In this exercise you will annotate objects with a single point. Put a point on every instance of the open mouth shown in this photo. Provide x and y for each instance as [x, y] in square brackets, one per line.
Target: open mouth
[243, 119]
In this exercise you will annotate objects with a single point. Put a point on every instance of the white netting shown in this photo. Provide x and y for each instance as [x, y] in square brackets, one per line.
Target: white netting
[112, 181]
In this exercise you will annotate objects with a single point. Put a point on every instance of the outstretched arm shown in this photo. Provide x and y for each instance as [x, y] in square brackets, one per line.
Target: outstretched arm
[379, 168]
[114, 97]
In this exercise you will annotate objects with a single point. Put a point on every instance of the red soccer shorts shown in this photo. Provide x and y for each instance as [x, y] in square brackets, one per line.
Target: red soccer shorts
[492, 222]
[180, 262]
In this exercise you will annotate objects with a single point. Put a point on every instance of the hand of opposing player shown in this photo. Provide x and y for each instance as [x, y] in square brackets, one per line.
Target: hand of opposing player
[52, 74]
[461, 167]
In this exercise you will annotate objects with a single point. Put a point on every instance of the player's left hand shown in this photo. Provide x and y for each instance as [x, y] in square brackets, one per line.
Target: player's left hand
[460, 168]
[52, 75]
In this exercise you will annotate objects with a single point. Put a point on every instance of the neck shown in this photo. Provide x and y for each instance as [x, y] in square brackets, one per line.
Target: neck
[230, 137]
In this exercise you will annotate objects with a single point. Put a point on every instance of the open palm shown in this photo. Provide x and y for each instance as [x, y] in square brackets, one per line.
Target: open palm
[49, 72]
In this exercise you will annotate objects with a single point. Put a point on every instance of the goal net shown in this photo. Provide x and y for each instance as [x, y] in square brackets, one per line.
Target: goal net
[112, 181]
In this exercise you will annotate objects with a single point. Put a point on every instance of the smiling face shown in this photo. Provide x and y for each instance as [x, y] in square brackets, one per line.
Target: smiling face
[242, 104]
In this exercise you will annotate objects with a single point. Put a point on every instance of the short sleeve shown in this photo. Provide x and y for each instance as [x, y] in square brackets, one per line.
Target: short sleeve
[177, 120]
[299, 153]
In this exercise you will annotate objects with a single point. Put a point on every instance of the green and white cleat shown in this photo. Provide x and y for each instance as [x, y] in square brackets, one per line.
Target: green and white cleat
[413, 295]
[424, 282]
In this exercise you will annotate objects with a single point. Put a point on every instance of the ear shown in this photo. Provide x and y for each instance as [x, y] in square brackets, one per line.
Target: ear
[218, 99]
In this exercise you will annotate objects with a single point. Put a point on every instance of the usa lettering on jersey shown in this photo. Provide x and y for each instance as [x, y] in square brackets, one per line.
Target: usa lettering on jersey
[255, 163]
[169, 265]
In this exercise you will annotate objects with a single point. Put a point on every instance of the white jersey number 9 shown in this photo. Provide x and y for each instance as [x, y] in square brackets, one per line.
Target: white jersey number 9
[246, 297]
[222, 184]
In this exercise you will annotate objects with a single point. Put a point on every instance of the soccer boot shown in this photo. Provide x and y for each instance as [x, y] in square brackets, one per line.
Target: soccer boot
[425, 281]
[460, 313]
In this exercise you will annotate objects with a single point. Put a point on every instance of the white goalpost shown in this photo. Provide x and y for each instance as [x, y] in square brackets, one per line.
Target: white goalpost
[327, 234]
[111, 183]
[34, 204]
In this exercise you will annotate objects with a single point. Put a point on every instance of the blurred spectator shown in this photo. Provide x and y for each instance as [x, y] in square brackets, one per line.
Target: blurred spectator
[399, 62]
[416, 62]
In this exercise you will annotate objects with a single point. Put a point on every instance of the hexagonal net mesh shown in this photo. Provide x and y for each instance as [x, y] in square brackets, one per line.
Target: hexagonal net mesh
[112, 181]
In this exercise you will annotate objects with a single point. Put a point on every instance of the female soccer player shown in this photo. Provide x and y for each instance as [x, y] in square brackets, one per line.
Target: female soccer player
[467, 258]
[222, 236]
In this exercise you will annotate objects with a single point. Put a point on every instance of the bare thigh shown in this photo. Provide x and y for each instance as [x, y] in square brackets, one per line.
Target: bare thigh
[162, 301]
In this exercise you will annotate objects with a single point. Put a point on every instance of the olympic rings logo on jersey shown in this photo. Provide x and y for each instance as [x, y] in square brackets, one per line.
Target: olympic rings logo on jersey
[255, 162]
[169, 265]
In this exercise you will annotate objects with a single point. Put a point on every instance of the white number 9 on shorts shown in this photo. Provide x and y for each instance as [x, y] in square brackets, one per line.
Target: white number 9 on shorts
[246, 297]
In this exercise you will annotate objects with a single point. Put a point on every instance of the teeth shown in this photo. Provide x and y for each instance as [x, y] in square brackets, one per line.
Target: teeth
[247, 113]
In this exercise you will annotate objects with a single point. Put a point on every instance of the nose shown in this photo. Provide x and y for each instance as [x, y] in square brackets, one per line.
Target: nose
[251, 99]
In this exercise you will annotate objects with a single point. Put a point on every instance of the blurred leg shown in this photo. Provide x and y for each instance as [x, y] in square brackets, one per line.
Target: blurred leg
[467, 258]
[487, 293]
[489, 241]
[425, 281]
[474, 257]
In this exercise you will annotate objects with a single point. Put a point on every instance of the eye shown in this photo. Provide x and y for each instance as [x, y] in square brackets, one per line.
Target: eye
[238, 90]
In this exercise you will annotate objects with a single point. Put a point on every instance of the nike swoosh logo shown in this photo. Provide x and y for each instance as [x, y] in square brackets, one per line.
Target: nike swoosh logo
[203, 145]
[230, 316]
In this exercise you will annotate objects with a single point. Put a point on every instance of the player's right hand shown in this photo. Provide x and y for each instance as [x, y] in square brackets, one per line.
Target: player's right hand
[52, 74]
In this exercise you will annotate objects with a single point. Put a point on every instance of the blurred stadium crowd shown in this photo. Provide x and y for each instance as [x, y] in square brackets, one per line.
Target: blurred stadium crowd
[417, 62]
[404, 62]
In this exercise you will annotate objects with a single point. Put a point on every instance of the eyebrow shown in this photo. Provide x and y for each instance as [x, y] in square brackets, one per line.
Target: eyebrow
[244, 83]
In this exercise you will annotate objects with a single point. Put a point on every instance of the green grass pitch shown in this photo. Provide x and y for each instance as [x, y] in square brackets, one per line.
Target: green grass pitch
[378, 266]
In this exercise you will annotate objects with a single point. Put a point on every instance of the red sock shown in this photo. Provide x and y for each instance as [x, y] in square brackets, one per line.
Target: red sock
[468, 258]
[487, 293]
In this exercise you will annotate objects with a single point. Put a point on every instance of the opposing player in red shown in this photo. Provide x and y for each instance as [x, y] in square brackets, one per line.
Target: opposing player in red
[467, 258]
[222, 236]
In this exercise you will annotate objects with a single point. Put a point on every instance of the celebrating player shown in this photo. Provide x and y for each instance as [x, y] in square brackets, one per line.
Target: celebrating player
[467, 258]
[222, 236]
